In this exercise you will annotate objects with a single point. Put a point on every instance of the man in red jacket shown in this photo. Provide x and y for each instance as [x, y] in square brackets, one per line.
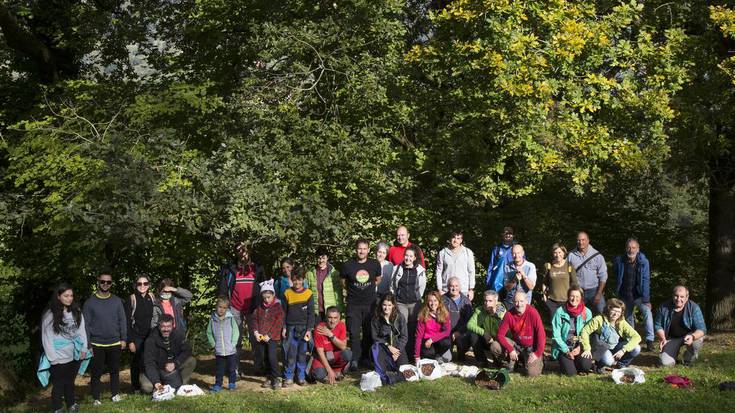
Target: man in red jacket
[529, 338]
[396, 252]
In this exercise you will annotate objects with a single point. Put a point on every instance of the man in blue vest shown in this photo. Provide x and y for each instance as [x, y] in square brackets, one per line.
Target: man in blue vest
[633, 285]
[500, 255]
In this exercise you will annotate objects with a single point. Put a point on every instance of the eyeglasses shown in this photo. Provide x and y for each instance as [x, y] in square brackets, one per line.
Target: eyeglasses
[105, 282]
[143, 284]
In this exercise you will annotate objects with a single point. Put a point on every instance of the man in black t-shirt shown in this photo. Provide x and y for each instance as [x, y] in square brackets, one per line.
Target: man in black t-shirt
[360, 277]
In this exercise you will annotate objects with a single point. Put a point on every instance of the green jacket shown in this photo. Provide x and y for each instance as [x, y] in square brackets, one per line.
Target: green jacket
[560, 328]
[481, 321]
[624, 330]
[332, 290]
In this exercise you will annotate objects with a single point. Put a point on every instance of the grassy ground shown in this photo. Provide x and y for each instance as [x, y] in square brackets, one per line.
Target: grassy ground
[550, 393]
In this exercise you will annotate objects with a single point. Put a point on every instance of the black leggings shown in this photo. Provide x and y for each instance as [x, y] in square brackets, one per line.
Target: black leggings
[436, 349]
[109, 356]
[62, 380]
[136, 365]
[268, 352]
[571, 367]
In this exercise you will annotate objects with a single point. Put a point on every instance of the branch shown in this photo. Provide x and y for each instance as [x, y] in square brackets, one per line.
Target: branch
[23, 41]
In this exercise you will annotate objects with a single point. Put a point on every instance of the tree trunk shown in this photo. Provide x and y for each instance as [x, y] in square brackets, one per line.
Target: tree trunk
[720, 293]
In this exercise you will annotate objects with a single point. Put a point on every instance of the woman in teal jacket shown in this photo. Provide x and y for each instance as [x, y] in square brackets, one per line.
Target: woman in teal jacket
[566, 327]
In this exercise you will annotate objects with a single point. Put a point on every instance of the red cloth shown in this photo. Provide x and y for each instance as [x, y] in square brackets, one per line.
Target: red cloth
[526, 328]
[322, 341]
[576, 311]
[431, 329]
[396, 253]
[268, 320]
[168, 308]
[242, 292]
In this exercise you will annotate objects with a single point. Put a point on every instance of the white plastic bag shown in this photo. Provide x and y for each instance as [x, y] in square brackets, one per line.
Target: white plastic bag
[405, 367]
[166, 393]
[370, 381]
[450, 369]
[468, 372]
[637, 374]
[189, 390]
[435, 374]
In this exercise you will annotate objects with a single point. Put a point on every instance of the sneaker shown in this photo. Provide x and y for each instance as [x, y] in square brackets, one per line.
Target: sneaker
[116, 398]
[74, 408]
[301, 382]
[649, 347]
[215, 389]
[288, 383]
[96, 403]
[353, 365]
[267, 383]
[231, 386]
[59, 410]
[277, 384]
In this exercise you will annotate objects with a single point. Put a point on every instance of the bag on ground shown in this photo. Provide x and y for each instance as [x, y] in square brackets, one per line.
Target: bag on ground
[429, 369]
[370, 381]
[189, 390]
[413, 376]
[166, 393]
[628, 375]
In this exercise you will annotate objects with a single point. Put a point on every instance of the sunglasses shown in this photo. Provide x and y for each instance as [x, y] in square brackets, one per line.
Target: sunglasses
[143, 284]
[105, 282]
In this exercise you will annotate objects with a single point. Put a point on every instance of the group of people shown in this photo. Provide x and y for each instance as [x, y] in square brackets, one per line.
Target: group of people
[294, 319]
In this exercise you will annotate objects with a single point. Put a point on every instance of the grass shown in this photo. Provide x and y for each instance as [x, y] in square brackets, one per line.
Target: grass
[550, 393]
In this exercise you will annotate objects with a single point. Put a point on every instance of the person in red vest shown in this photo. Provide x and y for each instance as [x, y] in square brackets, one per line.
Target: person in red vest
[395, 254]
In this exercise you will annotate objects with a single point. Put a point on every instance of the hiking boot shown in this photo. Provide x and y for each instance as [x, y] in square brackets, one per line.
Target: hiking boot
[267, 383]
[277, 383]
[287, 383]
[649, 347]
[301, 382]
[116, 398]
[74, 408]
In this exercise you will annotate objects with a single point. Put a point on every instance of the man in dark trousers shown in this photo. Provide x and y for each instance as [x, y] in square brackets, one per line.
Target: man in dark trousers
[167, 357]
[107, 327]
[360, 277]
[239, 283]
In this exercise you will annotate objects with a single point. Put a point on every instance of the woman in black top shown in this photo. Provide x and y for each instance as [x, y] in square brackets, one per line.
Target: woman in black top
[390, 335]
[139, 311]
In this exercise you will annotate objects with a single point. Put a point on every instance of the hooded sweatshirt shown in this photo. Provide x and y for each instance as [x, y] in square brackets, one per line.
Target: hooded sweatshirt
[69, 333]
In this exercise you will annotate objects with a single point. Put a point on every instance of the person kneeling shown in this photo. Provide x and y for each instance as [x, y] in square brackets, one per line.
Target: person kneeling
[167, 357]
[390, 335]
[433, 329]
[615, 339]
[679, 323]
[526, 349]
[330, 344]
[567, 323]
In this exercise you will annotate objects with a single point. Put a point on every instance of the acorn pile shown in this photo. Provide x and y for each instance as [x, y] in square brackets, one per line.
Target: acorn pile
[427, 369]
[408, 373]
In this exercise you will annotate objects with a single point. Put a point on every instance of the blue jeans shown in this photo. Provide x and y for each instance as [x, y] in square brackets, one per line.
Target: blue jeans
[294, 350]
[604, 355]
[589, 297]
[645, 311]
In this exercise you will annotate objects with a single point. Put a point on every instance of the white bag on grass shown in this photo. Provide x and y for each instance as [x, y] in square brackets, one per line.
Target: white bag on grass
[450, 369]
[166, 393]
[189, 390]
[468, 372]
[435, 373]
[370, 381]
[634, 376]
[405, 367]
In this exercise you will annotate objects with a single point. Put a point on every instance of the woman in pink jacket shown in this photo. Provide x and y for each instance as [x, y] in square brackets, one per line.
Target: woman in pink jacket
[433, 330]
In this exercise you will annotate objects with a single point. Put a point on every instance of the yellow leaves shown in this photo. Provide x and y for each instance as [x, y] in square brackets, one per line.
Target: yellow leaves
[571, 39]
[458, 10]
[724, 18]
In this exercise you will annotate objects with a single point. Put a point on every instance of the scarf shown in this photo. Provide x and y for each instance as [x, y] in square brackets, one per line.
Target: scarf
[576, 311]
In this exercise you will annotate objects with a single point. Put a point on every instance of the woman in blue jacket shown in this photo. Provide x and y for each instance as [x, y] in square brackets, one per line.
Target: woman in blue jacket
[566, 326]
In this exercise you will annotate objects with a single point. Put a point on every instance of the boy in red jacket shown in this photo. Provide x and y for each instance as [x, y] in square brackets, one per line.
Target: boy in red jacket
[529, 338]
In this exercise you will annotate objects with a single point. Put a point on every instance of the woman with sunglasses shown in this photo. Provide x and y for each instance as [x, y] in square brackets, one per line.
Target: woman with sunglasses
[139, 311]
[107, 327]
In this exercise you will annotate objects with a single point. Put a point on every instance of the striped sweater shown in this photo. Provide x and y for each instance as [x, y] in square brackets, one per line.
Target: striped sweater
[299, 307]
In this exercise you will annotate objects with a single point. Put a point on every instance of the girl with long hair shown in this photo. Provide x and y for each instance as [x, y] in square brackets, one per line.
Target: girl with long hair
[433, 329]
